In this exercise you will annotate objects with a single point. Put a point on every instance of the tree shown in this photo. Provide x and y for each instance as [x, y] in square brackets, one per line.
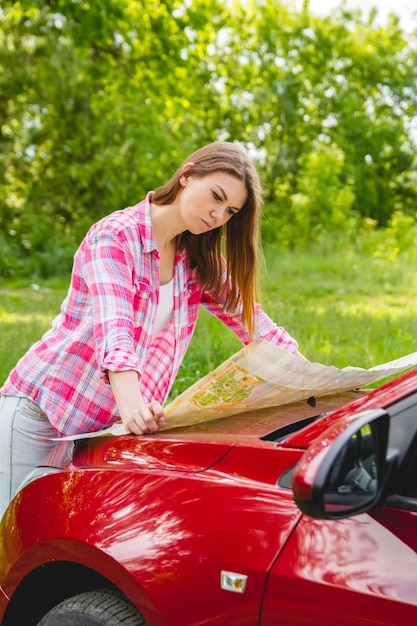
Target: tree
[304, 81]
[99, 102]
[101, 99]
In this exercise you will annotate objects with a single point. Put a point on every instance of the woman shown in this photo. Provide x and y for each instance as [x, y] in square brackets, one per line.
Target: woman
[138, 279]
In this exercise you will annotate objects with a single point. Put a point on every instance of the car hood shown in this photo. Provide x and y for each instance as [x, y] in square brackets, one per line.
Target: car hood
[199, 446]
[162, 452]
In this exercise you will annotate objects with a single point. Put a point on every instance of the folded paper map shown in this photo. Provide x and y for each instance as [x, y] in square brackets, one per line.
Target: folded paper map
[262, 375]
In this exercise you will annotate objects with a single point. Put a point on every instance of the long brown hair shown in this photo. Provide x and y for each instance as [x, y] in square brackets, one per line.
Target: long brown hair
[234, 247]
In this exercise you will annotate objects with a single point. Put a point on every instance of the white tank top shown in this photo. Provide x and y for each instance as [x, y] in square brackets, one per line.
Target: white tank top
[165, 307]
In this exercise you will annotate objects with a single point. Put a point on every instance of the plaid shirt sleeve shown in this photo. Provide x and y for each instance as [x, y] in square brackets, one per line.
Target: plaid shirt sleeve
[265, 327]
[107, 272]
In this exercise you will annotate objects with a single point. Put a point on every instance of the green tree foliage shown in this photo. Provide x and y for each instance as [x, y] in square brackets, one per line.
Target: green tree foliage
[101, 99]
[97, 103]
[323, 201]
[339, 82]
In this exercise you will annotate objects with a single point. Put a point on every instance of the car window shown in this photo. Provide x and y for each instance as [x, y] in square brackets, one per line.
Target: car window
[409, 482]
[403, 442]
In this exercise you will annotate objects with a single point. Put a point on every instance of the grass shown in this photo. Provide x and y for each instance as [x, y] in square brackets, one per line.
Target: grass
[343, 306]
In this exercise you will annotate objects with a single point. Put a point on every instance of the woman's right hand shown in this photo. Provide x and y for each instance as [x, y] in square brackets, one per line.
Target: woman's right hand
[143, 419]
[137, 416]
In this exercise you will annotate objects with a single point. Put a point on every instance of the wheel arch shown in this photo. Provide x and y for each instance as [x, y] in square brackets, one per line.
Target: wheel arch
[50, 582]
[47, 585]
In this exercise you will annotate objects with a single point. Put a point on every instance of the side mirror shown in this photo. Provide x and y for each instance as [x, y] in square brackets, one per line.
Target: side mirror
[341, 473]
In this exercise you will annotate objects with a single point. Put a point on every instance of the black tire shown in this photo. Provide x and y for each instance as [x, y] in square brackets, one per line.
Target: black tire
[103, 607]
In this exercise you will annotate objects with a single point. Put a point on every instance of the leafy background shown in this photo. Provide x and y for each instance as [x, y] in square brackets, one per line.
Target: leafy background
[100, 100]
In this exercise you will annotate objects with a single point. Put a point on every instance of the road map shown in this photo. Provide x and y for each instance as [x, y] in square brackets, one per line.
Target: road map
[262, 375]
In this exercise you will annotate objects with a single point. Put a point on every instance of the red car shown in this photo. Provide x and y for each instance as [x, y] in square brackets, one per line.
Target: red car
[292, 516]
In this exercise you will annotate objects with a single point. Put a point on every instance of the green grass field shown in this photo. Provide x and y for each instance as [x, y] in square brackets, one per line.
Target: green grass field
[343, 307]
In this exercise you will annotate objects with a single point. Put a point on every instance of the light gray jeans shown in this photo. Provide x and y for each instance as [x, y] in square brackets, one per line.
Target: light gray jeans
[26, 438]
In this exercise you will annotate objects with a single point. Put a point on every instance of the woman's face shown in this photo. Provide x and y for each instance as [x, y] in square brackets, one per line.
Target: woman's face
[211, 201]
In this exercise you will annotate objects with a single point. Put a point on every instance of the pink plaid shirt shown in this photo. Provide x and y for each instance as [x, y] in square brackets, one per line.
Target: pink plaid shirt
[106, 321]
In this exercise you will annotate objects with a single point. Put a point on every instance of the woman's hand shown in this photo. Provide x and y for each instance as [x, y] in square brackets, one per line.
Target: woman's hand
[137, 416]
[144, 419]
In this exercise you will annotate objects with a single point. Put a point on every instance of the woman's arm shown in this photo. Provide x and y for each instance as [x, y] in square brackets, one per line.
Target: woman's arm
[265, 326]
[137, 417]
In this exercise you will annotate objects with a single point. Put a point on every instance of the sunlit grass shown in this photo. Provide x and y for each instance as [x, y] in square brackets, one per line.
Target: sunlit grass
[25, 314]
[344, 308]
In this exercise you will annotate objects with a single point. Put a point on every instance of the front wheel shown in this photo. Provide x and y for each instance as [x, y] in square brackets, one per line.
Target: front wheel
[94, 608]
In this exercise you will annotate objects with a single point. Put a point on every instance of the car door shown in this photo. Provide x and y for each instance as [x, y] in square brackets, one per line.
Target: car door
[361, 570]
